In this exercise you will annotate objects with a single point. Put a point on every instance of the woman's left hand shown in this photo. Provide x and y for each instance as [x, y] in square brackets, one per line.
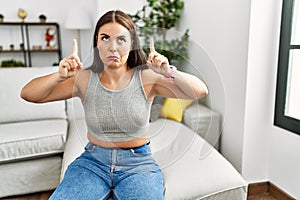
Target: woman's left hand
[158, 62]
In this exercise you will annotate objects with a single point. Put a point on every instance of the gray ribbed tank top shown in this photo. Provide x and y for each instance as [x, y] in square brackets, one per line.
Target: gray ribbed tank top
[117, 115]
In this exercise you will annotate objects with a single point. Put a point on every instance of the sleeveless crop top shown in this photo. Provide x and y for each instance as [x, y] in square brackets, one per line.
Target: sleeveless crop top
[117, 115]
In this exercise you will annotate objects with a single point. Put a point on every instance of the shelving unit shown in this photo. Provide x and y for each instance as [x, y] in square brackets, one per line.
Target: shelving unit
[26, 35]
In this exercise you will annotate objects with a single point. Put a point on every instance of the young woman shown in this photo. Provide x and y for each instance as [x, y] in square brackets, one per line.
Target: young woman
[117, 93]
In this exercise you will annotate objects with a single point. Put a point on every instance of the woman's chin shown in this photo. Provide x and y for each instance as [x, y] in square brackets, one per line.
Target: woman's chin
[113, 64]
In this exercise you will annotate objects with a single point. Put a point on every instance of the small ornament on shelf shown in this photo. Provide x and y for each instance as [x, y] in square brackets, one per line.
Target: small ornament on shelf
[22, 14]
[21, 46]
[37, 47]
[1, 18]
[49, 37]
[11, 47]
[42, 18]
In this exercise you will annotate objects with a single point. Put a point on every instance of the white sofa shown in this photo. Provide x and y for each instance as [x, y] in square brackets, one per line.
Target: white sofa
[32, 136]
[38, 141]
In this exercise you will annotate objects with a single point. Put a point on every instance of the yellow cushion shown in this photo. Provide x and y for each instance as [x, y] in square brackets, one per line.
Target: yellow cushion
[174, 108]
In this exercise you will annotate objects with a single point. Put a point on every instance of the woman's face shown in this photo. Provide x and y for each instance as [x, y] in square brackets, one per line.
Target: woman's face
[114, 44]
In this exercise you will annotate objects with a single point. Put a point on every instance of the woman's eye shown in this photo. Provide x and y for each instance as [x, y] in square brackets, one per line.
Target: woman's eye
[122, 40]
[105, 38]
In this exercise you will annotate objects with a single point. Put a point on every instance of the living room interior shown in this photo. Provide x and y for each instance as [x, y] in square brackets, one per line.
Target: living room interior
[234, 47]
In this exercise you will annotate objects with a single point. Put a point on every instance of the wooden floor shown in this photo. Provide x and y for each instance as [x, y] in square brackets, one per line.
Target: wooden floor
[36, 196]
[266, 191]
[264, 196]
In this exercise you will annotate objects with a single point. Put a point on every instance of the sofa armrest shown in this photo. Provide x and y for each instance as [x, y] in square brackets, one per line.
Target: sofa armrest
[204, 121]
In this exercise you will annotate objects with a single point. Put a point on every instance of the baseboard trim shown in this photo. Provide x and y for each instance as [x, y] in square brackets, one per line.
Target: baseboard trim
[270, 188]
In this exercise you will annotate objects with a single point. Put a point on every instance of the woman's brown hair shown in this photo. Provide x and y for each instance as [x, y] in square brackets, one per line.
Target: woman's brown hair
[136, 55]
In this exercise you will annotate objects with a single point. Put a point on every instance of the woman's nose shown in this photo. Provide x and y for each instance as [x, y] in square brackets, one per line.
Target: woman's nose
[113, 46]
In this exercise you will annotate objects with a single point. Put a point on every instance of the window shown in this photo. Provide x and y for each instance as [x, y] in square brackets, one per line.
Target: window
[287, 105]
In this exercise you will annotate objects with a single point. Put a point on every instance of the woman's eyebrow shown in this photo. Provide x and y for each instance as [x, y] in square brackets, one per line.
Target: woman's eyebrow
[104, 34]
[121, 36]
[118, 36]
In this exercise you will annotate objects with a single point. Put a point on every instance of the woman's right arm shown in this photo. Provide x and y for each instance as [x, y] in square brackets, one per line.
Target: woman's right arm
[48, 88]
[56, 86]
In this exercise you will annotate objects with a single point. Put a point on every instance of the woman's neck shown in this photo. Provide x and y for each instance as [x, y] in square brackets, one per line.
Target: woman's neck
[116, 77]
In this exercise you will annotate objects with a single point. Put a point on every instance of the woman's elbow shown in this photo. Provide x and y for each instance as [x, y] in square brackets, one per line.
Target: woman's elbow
[25, 94]
[201, 92]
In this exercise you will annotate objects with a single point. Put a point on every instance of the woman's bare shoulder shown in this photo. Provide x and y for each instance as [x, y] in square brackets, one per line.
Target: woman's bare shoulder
[82, 75]
[81, 81]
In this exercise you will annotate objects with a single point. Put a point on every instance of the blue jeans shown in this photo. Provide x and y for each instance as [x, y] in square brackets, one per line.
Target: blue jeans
[100, 173]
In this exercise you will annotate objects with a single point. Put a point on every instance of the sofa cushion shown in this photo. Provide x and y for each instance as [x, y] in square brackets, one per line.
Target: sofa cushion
[32, 139]
[29, 176]
[192, 168]
[204, 121]
[13, 108]
[174, 108]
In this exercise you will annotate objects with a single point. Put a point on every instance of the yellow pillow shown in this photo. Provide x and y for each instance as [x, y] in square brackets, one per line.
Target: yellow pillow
[174, 108]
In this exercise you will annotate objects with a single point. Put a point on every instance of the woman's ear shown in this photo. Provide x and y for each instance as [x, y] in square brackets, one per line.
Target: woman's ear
[132, 45]
[95, 41]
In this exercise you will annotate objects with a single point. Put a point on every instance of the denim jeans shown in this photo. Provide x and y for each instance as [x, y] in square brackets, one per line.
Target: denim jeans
[100, 173]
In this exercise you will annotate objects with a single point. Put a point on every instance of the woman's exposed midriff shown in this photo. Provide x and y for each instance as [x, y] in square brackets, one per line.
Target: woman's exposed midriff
[128, 144]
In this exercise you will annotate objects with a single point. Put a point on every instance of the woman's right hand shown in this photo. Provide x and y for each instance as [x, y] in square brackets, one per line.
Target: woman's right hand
[70, 65]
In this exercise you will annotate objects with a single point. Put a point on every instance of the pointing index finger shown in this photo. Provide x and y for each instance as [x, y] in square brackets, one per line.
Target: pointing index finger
[74, 48]
[152, 49]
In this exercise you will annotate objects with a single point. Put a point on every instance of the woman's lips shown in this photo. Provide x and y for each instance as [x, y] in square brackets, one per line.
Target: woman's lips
[113, 57]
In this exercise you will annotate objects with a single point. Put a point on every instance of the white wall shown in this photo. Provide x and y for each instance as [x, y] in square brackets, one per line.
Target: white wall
[126, 6]
[270, 153]
[220, 28]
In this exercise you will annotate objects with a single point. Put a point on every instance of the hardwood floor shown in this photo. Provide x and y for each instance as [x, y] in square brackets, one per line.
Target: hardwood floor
[264, 196]
[35, 196]
[266, 191]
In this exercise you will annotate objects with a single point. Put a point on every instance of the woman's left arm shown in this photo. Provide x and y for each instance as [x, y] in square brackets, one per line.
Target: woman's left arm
[190, 86]
[181, 85]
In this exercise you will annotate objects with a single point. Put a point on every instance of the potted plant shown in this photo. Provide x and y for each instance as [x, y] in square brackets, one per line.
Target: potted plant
[1, 17]
[42, 18]
[21, 46]
[155, 19]
[12, 63]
